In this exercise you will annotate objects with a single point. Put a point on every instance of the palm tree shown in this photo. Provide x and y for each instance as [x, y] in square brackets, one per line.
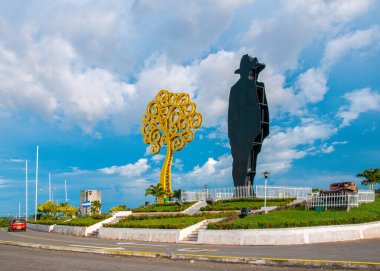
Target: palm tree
[156, 191]
[177, 194]
[95, 207]
[371, 177]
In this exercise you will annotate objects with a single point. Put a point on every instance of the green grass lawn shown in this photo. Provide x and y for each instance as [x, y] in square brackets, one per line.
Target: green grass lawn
[79, 221]
[82, 221]
[237, 204]
[4, 221]
[299, 217]
[178, 221]
[167, 207]
[160, 223]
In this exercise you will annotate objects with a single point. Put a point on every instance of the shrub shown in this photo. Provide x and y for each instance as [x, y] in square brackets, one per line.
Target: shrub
[100, 216]
[237, 204]
[43, 222]
[298, 217]
[4, 221]
[175, 221]
[167, 207]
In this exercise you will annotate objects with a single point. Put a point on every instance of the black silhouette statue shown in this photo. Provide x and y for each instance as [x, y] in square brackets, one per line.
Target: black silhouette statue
[248, 120]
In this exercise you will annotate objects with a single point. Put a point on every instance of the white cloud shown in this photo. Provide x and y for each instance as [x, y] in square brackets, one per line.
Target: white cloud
[359, 39]
[50, 80]
[312, 85]
[74, 171]
[129, 170]
[285, 145]
[3, 184]
[280, 38]
[157, 158]
[360, 101]
[178, 164]
[16, 160]
[214, 172]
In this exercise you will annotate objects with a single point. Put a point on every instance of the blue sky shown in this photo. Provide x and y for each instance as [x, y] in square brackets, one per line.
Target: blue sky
[76, 76]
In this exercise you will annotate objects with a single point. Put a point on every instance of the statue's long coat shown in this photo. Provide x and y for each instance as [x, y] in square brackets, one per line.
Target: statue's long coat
[244, 121]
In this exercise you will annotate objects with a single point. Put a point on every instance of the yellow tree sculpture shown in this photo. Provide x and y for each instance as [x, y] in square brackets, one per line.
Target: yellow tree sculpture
[170, 120]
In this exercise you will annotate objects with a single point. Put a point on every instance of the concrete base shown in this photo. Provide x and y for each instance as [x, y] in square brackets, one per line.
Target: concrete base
[150, 235]
[40, 227]
[69, 230]
[291, 236]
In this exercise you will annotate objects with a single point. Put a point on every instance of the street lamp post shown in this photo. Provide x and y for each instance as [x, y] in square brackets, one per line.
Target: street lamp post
[266, 174]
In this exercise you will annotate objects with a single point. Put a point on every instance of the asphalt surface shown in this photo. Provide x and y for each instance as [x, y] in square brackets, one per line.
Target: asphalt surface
[21, 259]
[363, 251]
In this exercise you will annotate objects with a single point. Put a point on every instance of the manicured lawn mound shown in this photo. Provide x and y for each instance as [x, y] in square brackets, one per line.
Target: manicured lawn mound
[299, 217]
[177, 221]
[237, 204]
[49, 220]
[79, 221]
[159, 223]
[82, 221]
[43, 222]
[167, 207]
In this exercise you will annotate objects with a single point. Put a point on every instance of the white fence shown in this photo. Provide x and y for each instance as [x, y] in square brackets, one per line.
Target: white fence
[282, 192]
[340, 200]
[258, 191]
[365, 196]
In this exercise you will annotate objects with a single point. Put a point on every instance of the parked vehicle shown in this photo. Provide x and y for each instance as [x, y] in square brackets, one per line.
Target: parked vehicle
[17, 224]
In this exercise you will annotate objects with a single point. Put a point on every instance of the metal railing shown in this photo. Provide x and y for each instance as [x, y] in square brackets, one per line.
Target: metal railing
[279, 192]
[257, 191]
[365, 196]
[337, 200]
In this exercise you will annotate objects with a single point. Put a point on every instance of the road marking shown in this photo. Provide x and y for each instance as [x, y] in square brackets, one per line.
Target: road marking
[116, 248]
[275, 259]
[84, 249]
[61, 240]
[190, 249]
[137, 244]
[200, 256]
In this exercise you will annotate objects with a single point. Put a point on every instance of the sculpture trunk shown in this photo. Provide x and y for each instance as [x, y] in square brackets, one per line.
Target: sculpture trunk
[166, 174]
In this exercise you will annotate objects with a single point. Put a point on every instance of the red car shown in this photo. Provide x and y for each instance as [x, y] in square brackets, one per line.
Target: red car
[17, 225]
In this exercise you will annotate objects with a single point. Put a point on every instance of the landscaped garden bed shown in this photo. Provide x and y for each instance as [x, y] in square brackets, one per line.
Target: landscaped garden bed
[237, 204]
[84, 221]
[167, 207]
[79, 221]
[178, 221]
[299, 217]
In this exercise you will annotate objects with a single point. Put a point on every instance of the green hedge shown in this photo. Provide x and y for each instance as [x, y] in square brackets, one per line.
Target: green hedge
[161, 223]
[43, 222]
[83, 221]
[167, 207]
[299, 217]
[237, 204]
[176, 221]
[4, 221]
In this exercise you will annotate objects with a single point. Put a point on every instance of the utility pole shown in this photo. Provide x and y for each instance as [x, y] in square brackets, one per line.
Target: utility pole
[50, 193]
[65, 191]
[35, 207]
[26, 189]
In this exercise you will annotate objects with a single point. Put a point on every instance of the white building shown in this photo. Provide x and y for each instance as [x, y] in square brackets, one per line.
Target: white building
[89, 195]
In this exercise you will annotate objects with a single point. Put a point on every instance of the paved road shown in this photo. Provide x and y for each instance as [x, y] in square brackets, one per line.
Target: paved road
[21, 259]
[356, 251]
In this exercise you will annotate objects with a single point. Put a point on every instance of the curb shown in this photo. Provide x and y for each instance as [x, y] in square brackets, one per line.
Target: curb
[344, 265]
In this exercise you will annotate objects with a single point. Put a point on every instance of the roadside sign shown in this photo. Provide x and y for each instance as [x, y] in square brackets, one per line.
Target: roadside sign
[86, 204]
